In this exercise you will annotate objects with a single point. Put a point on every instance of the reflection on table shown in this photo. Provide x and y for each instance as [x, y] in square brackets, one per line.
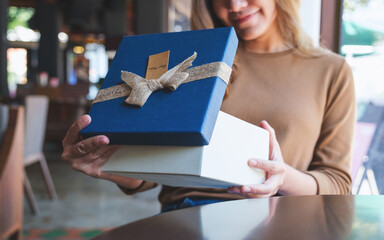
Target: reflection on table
[299, 217]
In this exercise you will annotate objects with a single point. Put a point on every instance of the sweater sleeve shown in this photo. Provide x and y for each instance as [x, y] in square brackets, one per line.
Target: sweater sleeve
[333, 152]
[143, 187]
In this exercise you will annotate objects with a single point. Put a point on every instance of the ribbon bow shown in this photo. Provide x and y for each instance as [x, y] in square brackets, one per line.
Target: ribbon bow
[142, 88]
[138, 89]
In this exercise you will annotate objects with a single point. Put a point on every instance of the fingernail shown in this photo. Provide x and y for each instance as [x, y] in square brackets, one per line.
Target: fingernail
[84, 120]
[253, 162]
[233, 190]
[103, 140]
[246, 189]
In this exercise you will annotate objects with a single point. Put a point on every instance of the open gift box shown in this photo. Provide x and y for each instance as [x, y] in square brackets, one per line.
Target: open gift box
[161, 100]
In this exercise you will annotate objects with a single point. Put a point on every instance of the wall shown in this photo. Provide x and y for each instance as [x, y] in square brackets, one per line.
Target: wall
[310, 18]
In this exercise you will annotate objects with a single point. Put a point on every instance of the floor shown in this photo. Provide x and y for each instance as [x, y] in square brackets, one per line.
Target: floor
[83, 202]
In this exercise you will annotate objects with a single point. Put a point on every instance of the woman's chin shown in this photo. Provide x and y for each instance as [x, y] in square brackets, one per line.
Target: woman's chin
[247, 35]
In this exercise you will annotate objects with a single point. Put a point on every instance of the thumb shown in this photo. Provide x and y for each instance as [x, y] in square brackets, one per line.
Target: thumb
[272, 137]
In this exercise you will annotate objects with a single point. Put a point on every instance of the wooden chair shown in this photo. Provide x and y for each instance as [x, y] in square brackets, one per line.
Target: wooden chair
[11, 174]
[36, 108]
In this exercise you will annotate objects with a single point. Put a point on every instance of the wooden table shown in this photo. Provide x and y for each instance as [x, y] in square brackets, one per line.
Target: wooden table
[299, 217]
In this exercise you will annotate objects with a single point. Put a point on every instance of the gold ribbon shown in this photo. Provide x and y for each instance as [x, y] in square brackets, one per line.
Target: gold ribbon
[138, 89]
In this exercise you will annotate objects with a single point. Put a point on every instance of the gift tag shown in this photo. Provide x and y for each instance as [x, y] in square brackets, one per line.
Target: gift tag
[157, 65]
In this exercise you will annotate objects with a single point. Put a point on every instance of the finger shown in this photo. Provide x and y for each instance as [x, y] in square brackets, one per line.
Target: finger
[111, 150]
[90, 146]
[264, 124]
[272, 167]
[238, 191]
[247, 189]
[260, 189]
[252, 195]
[105, 157]
[84, 147]
[101, 155]
[73, 133]
[90, 165]
[234, 190]
[272, 137]
[270, 186]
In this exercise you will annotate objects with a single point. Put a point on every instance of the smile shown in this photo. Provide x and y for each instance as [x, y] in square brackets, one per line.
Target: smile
[244, 18]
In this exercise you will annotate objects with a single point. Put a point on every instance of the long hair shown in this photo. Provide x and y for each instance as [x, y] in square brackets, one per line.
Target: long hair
[288, 22]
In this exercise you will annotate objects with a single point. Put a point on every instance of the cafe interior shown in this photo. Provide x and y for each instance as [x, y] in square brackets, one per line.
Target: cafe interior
[54, 55]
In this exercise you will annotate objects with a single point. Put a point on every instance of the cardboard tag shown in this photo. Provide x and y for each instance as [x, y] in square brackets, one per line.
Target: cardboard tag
[157, 65]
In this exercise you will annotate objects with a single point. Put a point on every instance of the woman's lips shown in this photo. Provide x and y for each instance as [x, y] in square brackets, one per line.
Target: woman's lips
[242, 19]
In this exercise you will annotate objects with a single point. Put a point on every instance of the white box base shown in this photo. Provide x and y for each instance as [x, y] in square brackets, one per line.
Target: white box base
[221, 164]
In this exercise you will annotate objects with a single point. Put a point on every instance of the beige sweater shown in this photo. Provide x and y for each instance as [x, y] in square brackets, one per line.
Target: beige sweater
[309, 101]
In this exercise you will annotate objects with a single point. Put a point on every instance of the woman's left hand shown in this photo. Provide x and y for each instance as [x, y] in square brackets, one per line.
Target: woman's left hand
[275, 169]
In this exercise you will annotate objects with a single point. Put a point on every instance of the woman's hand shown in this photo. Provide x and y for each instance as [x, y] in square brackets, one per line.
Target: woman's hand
[88, 155]
[275, 169]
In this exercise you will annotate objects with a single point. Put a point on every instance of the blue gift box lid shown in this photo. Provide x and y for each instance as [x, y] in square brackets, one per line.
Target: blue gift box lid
[183, 117]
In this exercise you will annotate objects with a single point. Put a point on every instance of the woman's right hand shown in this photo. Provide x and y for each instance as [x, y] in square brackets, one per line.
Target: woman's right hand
[86, 155]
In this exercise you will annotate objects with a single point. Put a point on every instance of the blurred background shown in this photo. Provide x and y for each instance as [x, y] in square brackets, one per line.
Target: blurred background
[62, 49]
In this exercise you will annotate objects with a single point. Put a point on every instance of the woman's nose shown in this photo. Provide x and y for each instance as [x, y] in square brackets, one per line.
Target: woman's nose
[237, 5]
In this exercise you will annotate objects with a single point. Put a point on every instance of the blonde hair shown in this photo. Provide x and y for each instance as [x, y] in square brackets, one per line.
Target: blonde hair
[288, 21]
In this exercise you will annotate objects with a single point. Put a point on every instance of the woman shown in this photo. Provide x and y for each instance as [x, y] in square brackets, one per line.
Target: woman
[306, 94]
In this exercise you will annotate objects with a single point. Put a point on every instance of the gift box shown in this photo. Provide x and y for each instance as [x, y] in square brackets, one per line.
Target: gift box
[221, 164]
[178, 107]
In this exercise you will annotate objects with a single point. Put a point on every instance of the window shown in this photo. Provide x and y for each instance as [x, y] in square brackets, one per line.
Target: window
[178, 15]
[362, 43]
